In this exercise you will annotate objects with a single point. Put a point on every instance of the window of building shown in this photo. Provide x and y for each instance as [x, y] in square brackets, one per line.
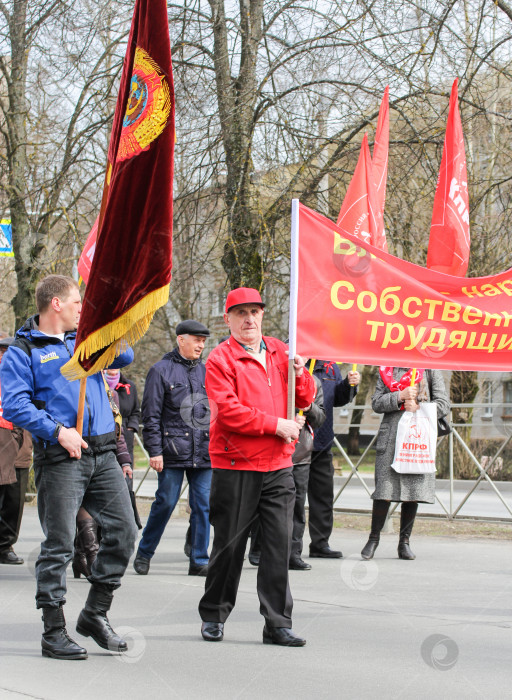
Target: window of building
[507, 399]
[487, 398]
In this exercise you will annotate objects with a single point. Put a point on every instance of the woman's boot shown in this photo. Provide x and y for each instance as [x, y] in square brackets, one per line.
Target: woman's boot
[379, 514]
[79, 560]
[407, 516]
[86, 547]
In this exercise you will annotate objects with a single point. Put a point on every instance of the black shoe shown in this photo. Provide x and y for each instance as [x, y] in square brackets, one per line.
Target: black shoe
[141, 564]
[298, 564]
[55, 642]
[93, 621]
[10, 557]
[212, 631]
[325, 553]
[195, 570]
[284, 636]
[369, 549]
[405, 552]
[254, 558]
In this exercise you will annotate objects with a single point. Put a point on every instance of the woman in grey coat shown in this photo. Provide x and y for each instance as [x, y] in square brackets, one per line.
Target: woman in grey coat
[394, 394]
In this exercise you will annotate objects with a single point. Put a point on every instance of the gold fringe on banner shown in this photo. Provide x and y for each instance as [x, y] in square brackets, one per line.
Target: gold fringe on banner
[116, 336]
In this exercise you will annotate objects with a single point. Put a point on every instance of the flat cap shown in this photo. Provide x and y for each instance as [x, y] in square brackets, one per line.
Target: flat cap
[191, 327]
[5, 342]
[243, 295]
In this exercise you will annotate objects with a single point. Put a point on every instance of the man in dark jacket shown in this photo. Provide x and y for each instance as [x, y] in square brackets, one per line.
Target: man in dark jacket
[337, 392]
[176, 419]
[301, 459]
[69, 469]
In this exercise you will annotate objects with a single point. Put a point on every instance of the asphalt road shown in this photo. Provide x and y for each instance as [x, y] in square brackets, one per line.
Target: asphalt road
[482, 503]
[437, 627]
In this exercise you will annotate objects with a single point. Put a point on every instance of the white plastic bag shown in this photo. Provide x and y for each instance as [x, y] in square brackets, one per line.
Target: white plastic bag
[416, 441]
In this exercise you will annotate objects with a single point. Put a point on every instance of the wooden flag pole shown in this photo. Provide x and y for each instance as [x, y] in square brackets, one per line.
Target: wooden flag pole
[81, 407]
[413, 377]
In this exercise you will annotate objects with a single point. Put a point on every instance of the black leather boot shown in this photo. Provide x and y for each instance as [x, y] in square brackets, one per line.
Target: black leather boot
[55, 642]
[369, 549]
[407, 517]
[380, 511]
[79, 563]
[93, 621]
[86, 547]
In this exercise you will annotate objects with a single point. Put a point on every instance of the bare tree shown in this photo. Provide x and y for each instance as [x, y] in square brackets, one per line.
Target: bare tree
[57, 75]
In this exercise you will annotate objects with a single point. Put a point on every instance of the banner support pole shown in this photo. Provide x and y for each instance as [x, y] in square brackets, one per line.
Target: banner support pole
[81, 407]
[294, 290]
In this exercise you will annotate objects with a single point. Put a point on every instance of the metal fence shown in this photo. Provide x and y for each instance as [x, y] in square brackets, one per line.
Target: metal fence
[452, 511]
[483, 466]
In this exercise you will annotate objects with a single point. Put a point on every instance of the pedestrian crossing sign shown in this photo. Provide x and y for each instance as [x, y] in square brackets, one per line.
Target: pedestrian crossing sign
[6, 250]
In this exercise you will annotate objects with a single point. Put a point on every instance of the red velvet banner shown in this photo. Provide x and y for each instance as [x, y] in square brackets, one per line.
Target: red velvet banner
[357, 303]
[131, 268]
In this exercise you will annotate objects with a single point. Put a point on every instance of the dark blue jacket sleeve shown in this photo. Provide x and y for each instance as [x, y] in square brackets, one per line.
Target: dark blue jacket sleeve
[152, 403]
[342, 392]
[125, 358]
[17, 382]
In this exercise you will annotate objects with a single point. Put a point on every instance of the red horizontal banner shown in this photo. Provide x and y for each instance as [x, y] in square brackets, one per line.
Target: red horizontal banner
[359, 304]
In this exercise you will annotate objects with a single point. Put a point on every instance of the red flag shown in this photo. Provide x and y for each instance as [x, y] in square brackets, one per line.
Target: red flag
[448, 248]
[85, 262]
[131, 267]
[360, 215]
[352, 300]
[380, 153]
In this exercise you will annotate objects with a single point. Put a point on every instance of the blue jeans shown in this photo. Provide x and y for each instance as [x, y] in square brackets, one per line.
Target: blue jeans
[166, 498]
[96, 482]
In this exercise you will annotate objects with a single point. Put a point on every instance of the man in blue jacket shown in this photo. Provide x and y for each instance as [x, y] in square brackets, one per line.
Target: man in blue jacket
[70, 471]
[176, 418]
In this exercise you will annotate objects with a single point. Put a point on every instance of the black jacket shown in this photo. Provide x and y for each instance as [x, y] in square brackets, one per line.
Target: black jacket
[130, 409]
[175, 412]
[315, 417]
[336, 393]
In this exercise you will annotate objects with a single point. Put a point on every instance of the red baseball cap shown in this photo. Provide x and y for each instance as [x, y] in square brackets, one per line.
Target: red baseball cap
[243, 295]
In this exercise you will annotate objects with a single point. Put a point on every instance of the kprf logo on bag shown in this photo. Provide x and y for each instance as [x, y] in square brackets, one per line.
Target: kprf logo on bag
[414, 437]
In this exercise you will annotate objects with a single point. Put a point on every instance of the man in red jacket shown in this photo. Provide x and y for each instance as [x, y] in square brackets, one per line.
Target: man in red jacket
[251, 443]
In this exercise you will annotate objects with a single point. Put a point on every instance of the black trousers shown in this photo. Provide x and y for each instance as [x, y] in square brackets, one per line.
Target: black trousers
[236, 498]
[12, 501]
[301, 478]
[320, 498]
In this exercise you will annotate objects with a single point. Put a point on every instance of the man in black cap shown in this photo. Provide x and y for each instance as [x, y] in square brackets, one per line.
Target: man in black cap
[176, 418]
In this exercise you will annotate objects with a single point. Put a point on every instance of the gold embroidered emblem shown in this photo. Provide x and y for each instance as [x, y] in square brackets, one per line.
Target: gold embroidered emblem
[148, 107]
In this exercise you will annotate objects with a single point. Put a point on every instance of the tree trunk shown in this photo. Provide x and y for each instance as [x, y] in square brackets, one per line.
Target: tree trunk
[16, 119]
[236, 98]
